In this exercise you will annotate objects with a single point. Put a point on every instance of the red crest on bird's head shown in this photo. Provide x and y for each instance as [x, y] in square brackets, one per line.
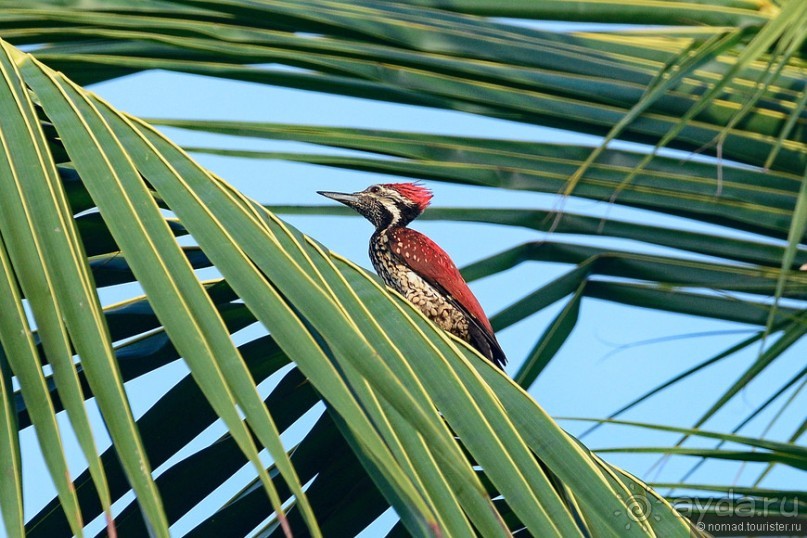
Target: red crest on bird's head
[418, 194]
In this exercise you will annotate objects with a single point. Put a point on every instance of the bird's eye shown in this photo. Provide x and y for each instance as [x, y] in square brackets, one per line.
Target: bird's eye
[375, 189]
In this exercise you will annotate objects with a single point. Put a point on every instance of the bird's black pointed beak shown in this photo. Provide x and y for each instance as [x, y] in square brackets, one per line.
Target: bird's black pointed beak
[349, 200]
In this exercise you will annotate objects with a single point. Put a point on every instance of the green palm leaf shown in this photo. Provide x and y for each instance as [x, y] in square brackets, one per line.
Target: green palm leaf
[244, 239]
[95, 200]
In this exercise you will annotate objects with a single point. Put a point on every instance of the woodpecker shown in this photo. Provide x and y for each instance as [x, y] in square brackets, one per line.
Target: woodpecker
[412, 264]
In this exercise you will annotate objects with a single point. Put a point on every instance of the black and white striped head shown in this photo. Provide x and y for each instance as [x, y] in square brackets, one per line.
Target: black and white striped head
[388, 204]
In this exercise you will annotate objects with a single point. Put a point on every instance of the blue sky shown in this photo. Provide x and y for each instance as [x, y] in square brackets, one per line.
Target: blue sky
[590, 377]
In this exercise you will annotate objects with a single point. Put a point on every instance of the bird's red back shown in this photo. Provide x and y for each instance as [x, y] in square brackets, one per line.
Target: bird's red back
[431, 262]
